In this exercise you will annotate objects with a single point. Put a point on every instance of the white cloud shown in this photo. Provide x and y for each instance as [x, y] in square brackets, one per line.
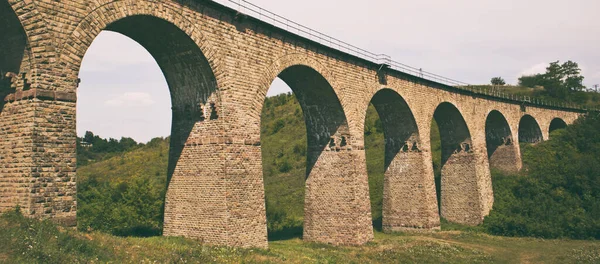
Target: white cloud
[131, 99]
[535, 69]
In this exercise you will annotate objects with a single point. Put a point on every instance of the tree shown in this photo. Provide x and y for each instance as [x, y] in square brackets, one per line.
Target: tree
[559, 80]
[498, 81]
[563, 79]
[531, 81]
[127, 143]
[89, 137]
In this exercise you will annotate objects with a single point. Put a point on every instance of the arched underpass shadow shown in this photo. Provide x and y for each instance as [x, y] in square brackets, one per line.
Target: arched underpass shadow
[403, 167]
[327, 138]
[458, 190]
[501, 148]
[187, 71]
[557, 124]
[13, 46]
[529, 130]
[286, 233]
[323, 114]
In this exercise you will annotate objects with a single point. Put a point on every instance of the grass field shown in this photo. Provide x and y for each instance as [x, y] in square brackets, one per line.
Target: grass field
[24, 240]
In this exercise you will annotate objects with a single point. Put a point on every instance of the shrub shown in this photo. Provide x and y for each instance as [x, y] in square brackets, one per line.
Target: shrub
[498, 81]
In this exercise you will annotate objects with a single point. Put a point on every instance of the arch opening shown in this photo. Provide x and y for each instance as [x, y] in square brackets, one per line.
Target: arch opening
[529, 130]
[399, 125]
[192, 83]
[13, 52]
[314, 106]
[458, 191]
[557, 124]
[454, 133]
[395, 164]
[193, 98]
[501, 148]
[326, 125]
[283, 150]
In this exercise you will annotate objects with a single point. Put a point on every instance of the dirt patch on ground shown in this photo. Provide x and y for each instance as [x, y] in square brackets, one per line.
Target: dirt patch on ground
[450, 241]
[526, 258]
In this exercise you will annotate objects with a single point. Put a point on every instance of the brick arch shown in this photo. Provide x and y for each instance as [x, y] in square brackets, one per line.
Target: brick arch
[430, 109]
[400, 127]
[529, 130]
[280, 65]
[188, 62]
[460, 186]
[497, 131]
[324, 115]
[72, 51]
[556, 123]
[370, 92]
[502, 149]
[285, 62]
[408, 187]
[448, 116]
[328, 148]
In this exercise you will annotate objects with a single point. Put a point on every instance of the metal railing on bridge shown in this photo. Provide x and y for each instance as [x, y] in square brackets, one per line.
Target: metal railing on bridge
[250, 9]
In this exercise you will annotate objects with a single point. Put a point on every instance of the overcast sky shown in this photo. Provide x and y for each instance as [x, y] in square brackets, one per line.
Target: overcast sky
[123, 92]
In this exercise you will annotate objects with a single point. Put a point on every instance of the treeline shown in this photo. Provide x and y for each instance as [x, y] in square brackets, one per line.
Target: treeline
[92, 147]
[562, 82]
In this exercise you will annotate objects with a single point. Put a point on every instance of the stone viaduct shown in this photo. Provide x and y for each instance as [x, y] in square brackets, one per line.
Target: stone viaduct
[219, 64]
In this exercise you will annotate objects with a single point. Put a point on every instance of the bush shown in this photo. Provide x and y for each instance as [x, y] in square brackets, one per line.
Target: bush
[132, 208]
[33, 241]
[531, 81]
[498, 81]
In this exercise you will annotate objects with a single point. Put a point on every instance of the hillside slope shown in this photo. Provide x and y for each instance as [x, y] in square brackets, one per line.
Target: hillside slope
[124, 195]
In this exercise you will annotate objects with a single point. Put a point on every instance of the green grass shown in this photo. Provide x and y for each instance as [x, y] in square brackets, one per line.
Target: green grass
[25, 240]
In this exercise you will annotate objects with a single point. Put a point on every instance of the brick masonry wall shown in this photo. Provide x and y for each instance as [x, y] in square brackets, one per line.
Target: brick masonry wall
[216, 192]
[53, 190]
[16, 128]
[506, 158]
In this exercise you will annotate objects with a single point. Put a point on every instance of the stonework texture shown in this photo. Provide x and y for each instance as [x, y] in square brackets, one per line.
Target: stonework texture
[219, 65]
